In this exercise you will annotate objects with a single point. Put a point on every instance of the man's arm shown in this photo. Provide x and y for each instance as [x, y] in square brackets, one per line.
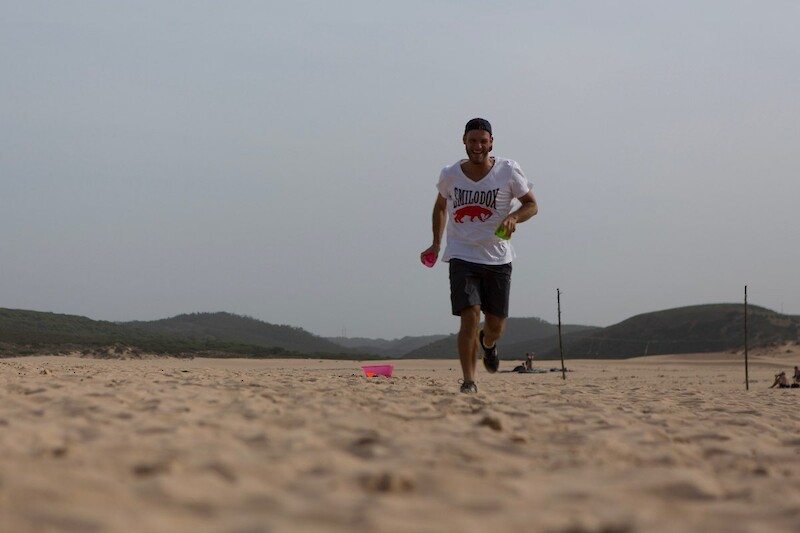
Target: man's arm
[438, 222]
[526, 211]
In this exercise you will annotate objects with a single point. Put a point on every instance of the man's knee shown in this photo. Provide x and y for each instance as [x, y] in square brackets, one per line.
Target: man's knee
[470, 316]
[494, 325]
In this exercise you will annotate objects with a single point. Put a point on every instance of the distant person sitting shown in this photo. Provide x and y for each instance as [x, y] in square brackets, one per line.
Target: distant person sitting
[529, 357]
[781, 381]
[796, 375]
[527, 366]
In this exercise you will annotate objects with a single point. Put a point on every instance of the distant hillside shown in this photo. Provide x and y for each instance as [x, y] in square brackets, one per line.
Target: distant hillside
[383, 347]
[694, 329]
[32, 332]
[522, 335]
[33, 327]
[235, 328]
[544, 345]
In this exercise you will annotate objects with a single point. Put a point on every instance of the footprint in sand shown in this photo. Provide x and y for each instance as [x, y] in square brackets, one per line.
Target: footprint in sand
[387, 482]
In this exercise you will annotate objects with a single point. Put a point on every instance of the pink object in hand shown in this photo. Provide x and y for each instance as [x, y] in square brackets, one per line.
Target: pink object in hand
[379, 370]
[429, 259]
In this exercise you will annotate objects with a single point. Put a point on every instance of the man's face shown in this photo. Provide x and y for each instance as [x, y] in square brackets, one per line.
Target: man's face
[478, 144]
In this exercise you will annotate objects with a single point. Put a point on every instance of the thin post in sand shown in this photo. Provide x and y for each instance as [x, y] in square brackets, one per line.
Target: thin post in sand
[560, 345]
[746, 373]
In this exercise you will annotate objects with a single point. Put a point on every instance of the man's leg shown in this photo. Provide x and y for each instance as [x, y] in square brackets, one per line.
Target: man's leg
[495, 289]
[468, 340]
[493, 329]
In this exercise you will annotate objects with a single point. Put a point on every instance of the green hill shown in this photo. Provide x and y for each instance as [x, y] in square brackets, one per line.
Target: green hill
[205, 335]
[544, 345]
[522, 335]
[383, 347]
[39, 329]
[240, 329]
[693, 329]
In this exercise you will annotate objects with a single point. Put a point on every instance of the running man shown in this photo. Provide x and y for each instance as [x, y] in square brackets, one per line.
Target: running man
[474, 201]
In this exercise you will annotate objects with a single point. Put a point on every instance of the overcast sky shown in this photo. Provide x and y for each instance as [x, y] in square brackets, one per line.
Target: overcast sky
[279, 159]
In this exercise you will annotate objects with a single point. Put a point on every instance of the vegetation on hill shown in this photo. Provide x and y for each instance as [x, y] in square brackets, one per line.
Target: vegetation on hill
[544, 347]
[32, 332]
[693, 329]
[228, 327]
[386, 348]
[522, 335]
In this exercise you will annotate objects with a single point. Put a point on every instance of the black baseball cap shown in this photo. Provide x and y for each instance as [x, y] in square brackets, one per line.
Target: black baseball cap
[478, 124]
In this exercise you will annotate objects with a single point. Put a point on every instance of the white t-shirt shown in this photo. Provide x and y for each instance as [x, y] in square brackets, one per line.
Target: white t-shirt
[476, 209]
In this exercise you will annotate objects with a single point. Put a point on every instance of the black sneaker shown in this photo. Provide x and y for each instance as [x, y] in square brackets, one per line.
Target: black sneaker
[491, 360]
[469, 387]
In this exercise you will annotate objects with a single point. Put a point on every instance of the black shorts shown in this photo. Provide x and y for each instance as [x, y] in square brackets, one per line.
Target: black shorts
[485, 285]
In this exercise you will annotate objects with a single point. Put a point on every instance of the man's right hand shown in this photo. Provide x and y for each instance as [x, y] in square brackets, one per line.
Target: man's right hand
[432, 251]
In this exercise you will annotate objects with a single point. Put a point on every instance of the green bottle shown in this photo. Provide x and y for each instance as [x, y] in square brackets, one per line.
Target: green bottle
[501, 232]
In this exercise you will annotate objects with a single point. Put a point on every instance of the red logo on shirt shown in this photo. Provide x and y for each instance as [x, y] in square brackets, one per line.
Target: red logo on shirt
[473, 212]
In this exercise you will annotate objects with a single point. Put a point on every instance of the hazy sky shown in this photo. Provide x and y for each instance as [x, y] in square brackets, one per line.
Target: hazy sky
[279, 159]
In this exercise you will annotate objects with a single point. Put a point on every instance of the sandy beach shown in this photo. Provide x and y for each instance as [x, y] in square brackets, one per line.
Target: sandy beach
[656, 444]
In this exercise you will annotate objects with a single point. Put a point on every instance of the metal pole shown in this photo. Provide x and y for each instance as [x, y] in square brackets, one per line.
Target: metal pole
[746, 373]
[560, 345]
